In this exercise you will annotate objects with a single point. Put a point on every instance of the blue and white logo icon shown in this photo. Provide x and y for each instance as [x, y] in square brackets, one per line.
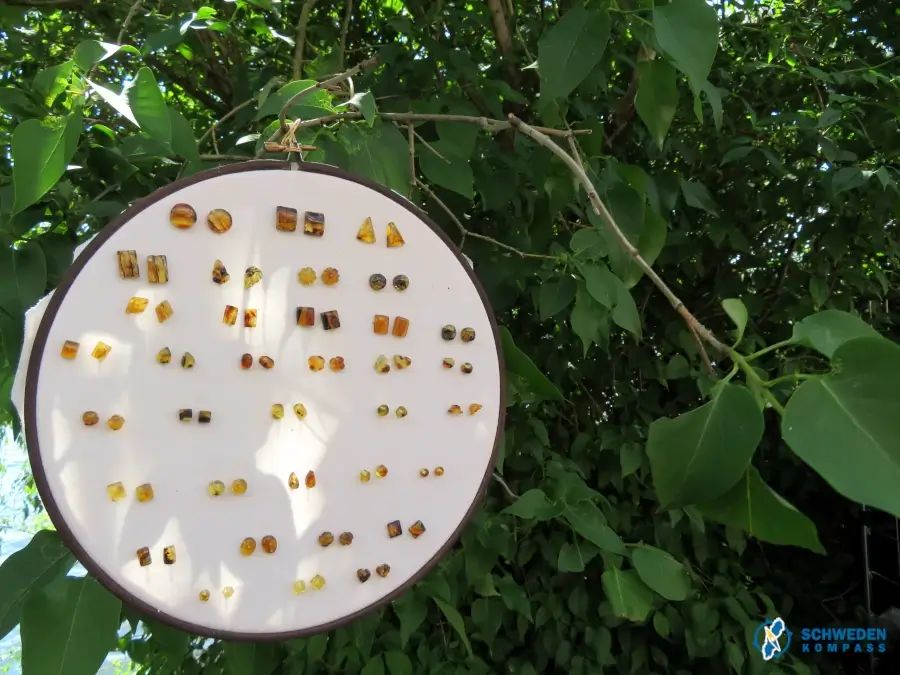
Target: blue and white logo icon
[772, 639]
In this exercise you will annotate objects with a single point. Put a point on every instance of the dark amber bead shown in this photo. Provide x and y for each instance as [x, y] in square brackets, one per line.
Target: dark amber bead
[377, 282]
[169, 555]
[326, 539]
[266, 362]
[383, 570]
[306, 316]
[310, 480]
[448, 332]
[346, 538]
[286, 219]
[246, 361]
[204, 417]
[401, 282]
[363, 575]
[394, 529]
[269, 544]
[314, 224]
[331, 320]
[143, 556]
[466, 368]
[185, 414]
[467, 334]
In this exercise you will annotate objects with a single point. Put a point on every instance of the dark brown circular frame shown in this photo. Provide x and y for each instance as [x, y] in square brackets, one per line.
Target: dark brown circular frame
[37, 353]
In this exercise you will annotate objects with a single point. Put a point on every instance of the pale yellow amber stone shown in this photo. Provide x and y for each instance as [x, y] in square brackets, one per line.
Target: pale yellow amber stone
[116, 491]
[307, 276]
[204, 595]
[277, 411]
[164, 311]
[228, 591]
[115, 422]
[317, 582]
[364, 476]
[248, 546]
[101, 351]
[366, 232]
[144, 493]
[216, 488]
[299, 587]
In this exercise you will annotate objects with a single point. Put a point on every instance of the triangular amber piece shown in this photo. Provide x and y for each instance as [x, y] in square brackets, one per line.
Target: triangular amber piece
[394, 238]
[366, 232]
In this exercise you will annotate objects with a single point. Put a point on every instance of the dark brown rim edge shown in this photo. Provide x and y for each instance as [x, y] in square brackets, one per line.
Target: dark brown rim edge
[37, 353]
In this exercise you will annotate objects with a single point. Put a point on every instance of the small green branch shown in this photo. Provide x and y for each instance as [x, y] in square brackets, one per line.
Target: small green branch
[768, 350]
[752, 376]
[793, 377]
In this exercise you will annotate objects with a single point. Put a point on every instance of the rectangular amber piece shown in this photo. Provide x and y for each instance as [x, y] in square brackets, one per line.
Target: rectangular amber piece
[204, 417]
[157, 269]
[136, 305]
[286, 219]
[250, 318]
[331, 320]
[314, 224]
[306, 316]
[169, 555]
[128, 265]
[143, 556]
[144, 493]
[69, 349]
[116, 491]
[164, 311]
[230, 316]
[101, 351]
[417, 529]
[381, 324]
[401, 326]
[185, 414]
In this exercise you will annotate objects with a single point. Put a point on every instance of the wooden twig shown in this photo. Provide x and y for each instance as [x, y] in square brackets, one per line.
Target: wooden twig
[412, 161]
[227, 116]
[345, 28]
[128, 17]
[300, 40]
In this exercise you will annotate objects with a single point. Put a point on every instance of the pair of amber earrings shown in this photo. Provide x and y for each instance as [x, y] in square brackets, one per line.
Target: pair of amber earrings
[164, 356]
[381, 471]
[366, 234]
[144, 558]
[395, 529]
[116, 492]
[378, 282]
[157, 267]
[70, 350]
[364, 575]
[183, 216]
[326, 539]
[268, 544]
[187, 415]
[137, 305]
[90, 418]
[278, 411]
[217, 487]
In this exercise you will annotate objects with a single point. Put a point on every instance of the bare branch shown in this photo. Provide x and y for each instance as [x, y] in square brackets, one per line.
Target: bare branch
[412, 161]
[345, 28]
[301, 37]
[47, 4]
[227, 116]
[428, 191]
[128, 17]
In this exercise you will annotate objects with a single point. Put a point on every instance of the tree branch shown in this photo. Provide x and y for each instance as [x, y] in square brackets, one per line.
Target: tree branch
[128, 17]
[345, 28]
[412, 161]
[301, 37]
[46, 4]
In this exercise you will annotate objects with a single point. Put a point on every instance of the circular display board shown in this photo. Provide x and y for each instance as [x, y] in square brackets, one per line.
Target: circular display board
[264, 401]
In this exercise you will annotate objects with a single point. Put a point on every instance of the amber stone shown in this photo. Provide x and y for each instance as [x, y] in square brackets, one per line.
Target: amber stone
[383, 570]
[143, 556]
[183, 216]
[401, 282]
[330, 276]
[231, 315]
[331, 320]
[228, 591]
[185, 414]
[157, 269]
[467, 334]
[474, 408]
[310, 480]
[314, 224]
[366, 233]
[219, 273]
[164, 311]
[204, 417]
[101, 351]
[252, 276]
[69, 349]
[219, 220]
[364, 476]
[383, 410]
[326, 539]
[377, 282]
[394, 238]
[277, 411]
[164, 356]
[381, 471]
[266, 362]
[466, 368]
[144, 493]
[401, 326]
[188, 360]
[269, 544]
[448, 332]
[299, 587]
[246, 361]
[300, 411]
[293, 481]
[455, 410]
[401, 412]
[204, 595]
[448, 363]
[381, 364]
[346, 538]
[317, 582]
[248, 546]
[250, 318]
[316, 363]
[363, 575]
[307, 276]
[216, 488]
[128, 265]
[423, 473]
[306, 316]
[116, 491]
[169, 555]
[380, 324]
[239, 486]
[115, 422]
[90, 418]
[286, 219]
[402, 361]
[439, 471]
[417, 529]
[394, 529]
[136, 305]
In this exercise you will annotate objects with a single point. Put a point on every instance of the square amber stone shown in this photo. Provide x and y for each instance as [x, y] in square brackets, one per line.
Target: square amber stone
[144, 493]
[417, 529]
[331, 320]
[143, 556]
[101, 351]
[306, 316]
[230, 315]
[169, 555]
[164, 311]
[314, 224]
[394, 529]
[136, 305]
[286, 219]
[380, 324]
[69, 349]
[401, 326]
[116, 491]
[250, 318]
[128, 265]
[157, 269]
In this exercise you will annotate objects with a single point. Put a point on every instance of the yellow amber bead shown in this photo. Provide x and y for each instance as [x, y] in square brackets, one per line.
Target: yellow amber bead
[474, 408]
[164, 356]
[467, 334]
[144, 493]
[455, 410]
[143, 556]
[164, 311]
[401, 412]
[248, 546]
[402, 361]
[216, 488]
[394, 238]
[293, 481]
[439, 471]
[300, 411]
[381, 471]
[101, 351]
[316, 363]
[169, 555]
[90, 418]
[183, 216]
[219, 220]
[299, 587]
[250, 316]
[336, 364]
[317, 582]
[423, 473]
[383, 410]
[228, 591]
[252, 276]
[157, 269]
[364, 476]
[128, 265]
[115, 422]
[326, 539]
[306, 276]
[277, 411]
[116, 491]
[239, 486]
[381, 365]
[204, 595]
[286, 219]
[229, 317]
[220, 273]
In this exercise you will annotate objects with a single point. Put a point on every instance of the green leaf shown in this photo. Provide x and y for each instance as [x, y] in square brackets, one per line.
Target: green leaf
[31, 274]
[398, 663]
[677, 368]
[149, 107]
[661, 572]
[531, 505]
[688, 31]
[589, 243]
[828, 330]
[737, 312]
[519, 364]
[586, 318]
[696, 195]
[43, 560]
[411, 610]
[183, 142]
[661, 624]
[625, 313]
[587, 520]
[314, 104]
[91, 52]
[240, 658]
[41, 151]
[68, 627]
[629, 597]
[630, 458]
[53, 81]
[375, 666]
[451, 171]
[118, 101]
[758, 510]
[555, 296]
[601, 283]
[657, 97]
[700, 455]
[18, 103]
[818, 291]
[570, 50]
[365, 103]
[173, 642]
[455, 619]
[570, 559]
[381, 154]
[854, 409]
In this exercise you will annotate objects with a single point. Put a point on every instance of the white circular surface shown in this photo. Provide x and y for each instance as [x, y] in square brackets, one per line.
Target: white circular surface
[341, 436]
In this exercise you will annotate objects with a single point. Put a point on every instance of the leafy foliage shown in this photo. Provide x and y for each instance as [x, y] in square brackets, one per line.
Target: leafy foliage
[747, 151]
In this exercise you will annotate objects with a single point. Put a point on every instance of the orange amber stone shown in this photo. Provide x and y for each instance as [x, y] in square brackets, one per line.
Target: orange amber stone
[69, 349]
[380, 324]
[439, 471]
[230, 315]
[269, 544]
[246, 361]
[474, 408]
[401, 326]
[183, 216]
[330, 276]
[455, 410]
[286, 219]
[394, 238]
[316, 363]
[250, 318]
[219, 220]
[417, 529]
[310, 479]
[306, 316]
[336, 363]
[248, 546]
[164, 311]
[381, 471]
